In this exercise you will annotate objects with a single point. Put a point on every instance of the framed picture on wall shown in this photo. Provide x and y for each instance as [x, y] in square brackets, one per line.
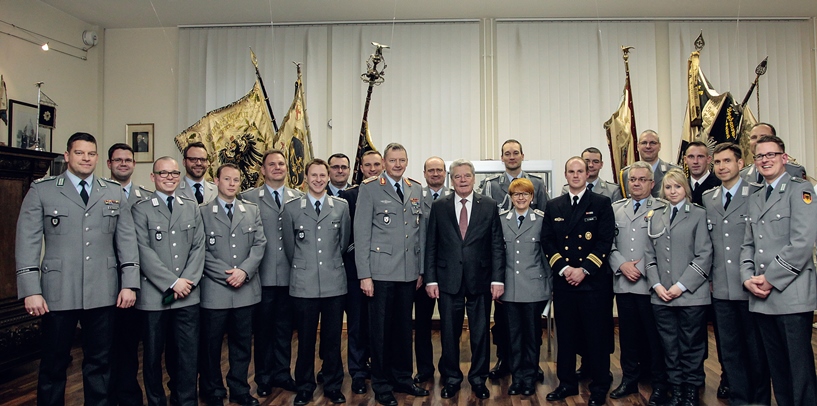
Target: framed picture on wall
[22, 127]
[140, 138]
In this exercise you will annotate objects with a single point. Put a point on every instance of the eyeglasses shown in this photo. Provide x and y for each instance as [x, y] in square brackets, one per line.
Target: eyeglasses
[196, 160]
[339, 167]
[167, 174]
[520, 194]
[768, 155]
[122, 160]
[639, 180]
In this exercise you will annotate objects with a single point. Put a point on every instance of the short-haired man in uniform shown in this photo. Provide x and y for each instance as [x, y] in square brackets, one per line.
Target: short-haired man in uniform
[496, 187]
[697, 159]
[739, 347]
[649, 145]
[750, 172]
[235, 242]
[273, 316]
[593, 157]
[778, 270]
[196, 162]
[86, 224]
[171, 253]
[338, 174]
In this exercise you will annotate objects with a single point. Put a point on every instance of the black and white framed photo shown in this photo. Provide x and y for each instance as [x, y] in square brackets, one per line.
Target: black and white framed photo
[140, 138]
[23, 127]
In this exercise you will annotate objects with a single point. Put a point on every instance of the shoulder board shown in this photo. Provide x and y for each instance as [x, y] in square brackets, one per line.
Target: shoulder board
[534, 176]
[351, 187]
[247, 202]
[41, 180]
[620, 201]
[292, 199]
[338, 199]
[140, 201]
[626, 168]
[793, 162]
[490, 178]
[205, 204]
[503, 212]
[660, 200]
[370, 180]
[414, 180]
[183, 197]
[755, 184]
[706, 192]
[145, 189]
[539, 212]
[111, 181]
[565, 186]
[796, 179]
[698, 205]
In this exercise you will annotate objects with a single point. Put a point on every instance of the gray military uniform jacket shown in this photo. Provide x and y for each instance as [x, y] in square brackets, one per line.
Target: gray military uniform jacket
[138, 193]
[680, 252]
[727, 229]
[778, 243]
[604, 188]
[528, 277]
[209, 190]
[237, 244]
[750, 174]
[274, 269]
[658, 177]
[314, 246]
[388, 232]
[82, 244]
[631, 242]
[171, 246]
[496, 187]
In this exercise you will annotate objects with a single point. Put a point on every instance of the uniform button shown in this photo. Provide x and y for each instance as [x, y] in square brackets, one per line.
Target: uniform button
[233, 245]
[279, 248]
[633, 230]
[727, 248]
[174, 244]
[580, 248]
[726, 234]
[280, 218]
[280, 228]
[319, 251]
[760, 251]
[581, 259]
[517, 252]
[517, 263]
[566, 248]
[405, 222]
[175, 256]
[319, 227]
[632, 239]
[725, 221]
[760, 236]
[517, 272]
[280, 238]
[517, 241]
[87, 258]
[762, 266]
[320, 263]
[249, 228]
[234, 256]
[580, 236]
[762, 221]
[87, 229]
[668, 237]
[87, 214]
[406, 235]
[728, 261]
[667, 261]
[177, 269]
[173, 232]
[667, 248]
[319, 239]
[565, 237]
[87, 243]
[533, 238]
[232, 235]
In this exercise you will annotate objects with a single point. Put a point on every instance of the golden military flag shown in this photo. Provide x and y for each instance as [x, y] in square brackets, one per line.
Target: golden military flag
[294, 137]
[620, 128]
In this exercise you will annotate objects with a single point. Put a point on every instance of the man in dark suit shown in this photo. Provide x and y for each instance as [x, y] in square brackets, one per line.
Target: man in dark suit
[582, 282]
[338, 174]
[698, 159]
[465, 270]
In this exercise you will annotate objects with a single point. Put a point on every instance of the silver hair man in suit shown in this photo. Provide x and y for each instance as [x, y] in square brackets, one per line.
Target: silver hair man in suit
[593, 157]
[171, 253]
[86, 225]
[125, 389]
[739, 346]
[194, 186]
[751, 173]
[649, 145]
[434, 174]
[778, 270]
[235, 242]
[641, 348]
[496, 187]
[316, 232]
[273, 316]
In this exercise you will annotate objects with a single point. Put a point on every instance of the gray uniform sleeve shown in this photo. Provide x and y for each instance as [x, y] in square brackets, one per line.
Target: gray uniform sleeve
[28, 244]
[696, 274]
[127, 249]
[792, 258]
[363, 232]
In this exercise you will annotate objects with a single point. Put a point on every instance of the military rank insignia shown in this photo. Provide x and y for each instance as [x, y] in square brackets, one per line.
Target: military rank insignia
[807, 197]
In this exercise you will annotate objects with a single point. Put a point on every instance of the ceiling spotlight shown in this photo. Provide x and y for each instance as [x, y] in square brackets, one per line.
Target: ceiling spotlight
[45, 47]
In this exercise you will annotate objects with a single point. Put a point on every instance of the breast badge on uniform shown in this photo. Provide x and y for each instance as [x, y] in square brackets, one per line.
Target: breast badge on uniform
[559, 219]
[212, 240]
[301, 234]
[55, 221]
[386, 219]
[159, 236]
[807, 197]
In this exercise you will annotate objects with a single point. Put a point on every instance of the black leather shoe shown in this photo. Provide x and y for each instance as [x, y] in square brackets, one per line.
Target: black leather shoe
[303, 397]
[528, 390]
[514, 389]
[540, 376]
[385, 399]
[659, 395]
[691, 396]
[723, 391]
[421, 378]
[412, 390]
[449, 391]
[214, 400]
[245, 400]
[625, 389]
[264, 390]
[287, 385]
[359, 386]
[319, 376]
[676, 397]
[499, 371]
[561, 392]
[481, 391]
[334, 396]
[597, 400]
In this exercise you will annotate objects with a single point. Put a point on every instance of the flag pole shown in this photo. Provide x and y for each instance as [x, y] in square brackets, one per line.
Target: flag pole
[263, 89]
[628, 86]
[374, 78]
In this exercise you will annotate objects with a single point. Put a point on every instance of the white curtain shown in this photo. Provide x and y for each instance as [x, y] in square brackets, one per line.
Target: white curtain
[558, 82]
[728, 60]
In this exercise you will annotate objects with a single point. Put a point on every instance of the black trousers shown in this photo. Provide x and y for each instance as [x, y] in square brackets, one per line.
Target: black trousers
[583, 321]
[357, 330]
[742, 353]
[525, 333]
[499, 332]
[162, 329]
[307, 312]
[127, 329]
[58, 329]
[642, 352]
[237, 324]
[273, 336]
[390, 335]
[452, 314]
[787, 341]
[423, 349]
[684, 338]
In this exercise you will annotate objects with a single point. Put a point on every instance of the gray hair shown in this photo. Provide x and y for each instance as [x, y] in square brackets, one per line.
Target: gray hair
[458, 163]
[643, 165]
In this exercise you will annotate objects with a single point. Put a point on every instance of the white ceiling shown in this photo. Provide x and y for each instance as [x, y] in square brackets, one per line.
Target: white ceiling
[167, 13]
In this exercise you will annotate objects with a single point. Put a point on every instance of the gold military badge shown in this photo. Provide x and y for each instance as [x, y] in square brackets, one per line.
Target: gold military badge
[588, 235]
[807, 197]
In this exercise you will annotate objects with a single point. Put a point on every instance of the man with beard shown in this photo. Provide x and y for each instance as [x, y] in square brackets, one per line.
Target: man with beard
[649, 145]
[592, 156]
[196, 163]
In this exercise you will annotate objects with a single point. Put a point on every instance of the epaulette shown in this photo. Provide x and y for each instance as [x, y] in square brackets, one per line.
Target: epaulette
[338, 199]
[539, 212]
[111, 181]
[490, 178]
[41, 180]
[180, 196]
[140, 201]
[351, 187]
[504, 212]
[755, 184]
[534, 176]
[248, 202]
[793, 162]
[370, 180]
[415, 181]
[797, 179]
[620, 201]
[700, 206]
[710, 190]
[626, 168]
[660, 200]
[292, 199]
[145, 189]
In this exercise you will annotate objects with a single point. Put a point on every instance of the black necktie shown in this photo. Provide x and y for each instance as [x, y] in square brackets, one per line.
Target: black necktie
[521, 219]
[277, 200]
[397, 189]
[695, 186]
[170, 203]
[636, 206]
[674, 212]
[759, 177]
[590, 187]
[575, 201]
[728, 200]
[436, 195]
[318, 208]
[768, 192]
[229, 207]
[84, 193]
[199, 196]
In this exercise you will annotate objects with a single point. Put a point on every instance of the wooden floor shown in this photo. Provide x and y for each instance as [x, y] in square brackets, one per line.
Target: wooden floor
[18, 387]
